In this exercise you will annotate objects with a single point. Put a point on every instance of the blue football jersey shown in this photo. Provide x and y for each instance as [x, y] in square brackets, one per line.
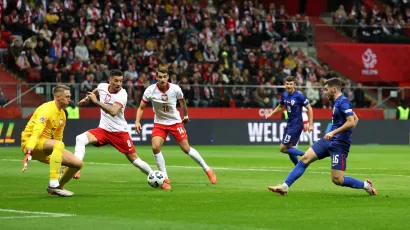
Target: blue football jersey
[342, 109]
[293, 104]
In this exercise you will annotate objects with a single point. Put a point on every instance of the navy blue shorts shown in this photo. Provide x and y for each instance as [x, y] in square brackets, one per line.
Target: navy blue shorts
[291, 137]
[337, 150]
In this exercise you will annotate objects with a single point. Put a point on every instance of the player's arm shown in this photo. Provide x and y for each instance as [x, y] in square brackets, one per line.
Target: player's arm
[113, 110]
[38, 128]
[310, 116]
[140, 111]
[350, 121]
[278, 109]
[184, 108]
[356, 119]
[87, 99]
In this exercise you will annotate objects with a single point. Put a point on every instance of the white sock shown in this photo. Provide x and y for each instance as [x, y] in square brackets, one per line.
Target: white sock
[54, 183]
[195, 155]
[366, 185]
[80, 142]
[160, 161]
[285, 186]
[142, 165]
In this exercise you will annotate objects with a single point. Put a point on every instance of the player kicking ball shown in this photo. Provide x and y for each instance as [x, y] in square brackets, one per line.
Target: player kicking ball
[293, 100]
[164, 97]
[113, 128]
[335, 144]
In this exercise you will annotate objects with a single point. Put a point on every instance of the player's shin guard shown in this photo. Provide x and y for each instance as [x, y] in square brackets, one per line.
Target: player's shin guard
[56, 158]
[142, 165]
[160, 161]
[297, 172]
[80, 142]
[195, 155]
[352, 183]
[68, 175]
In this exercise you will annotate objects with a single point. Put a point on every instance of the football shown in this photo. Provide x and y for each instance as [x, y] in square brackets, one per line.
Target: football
[156, 179]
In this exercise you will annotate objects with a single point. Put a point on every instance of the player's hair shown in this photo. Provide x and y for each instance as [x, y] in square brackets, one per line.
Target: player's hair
[290, 79]
[334, 82]
[115, 72]
[60, 89]
[162, 70]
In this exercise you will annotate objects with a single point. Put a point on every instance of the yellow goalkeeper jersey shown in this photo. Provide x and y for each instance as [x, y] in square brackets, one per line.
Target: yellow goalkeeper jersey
[47, 122]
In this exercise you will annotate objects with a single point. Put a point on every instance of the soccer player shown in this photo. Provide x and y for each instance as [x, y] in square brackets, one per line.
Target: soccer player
[335, 144]
[306, 132]
[164, 97]
[293, 101]
[42, 140]
[113, 128]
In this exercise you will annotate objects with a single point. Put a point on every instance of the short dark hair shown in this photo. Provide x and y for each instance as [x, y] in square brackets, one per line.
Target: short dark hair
[115, 72]
[60, 89]
[334, 82]
[290, 79]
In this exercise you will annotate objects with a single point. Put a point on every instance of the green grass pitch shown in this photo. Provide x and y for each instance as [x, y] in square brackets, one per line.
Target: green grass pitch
[113, 194]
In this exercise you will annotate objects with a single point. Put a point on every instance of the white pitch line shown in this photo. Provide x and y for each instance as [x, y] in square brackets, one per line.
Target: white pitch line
[38, 214]
[271, 169]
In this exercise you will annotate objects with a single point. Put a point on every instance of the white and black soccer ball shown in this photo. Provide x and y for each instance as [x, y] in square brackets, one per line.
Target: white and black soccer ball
[156, 179]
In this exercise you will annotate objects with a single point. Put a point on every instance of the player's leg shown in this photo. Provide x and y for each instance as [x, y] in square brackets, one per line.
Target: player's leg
[73, 165]
[179, 133]
[290, 139]
[317, 151]
[54, 150]
[80, 142]
[159, 134]
[123, 143]
[339, 178]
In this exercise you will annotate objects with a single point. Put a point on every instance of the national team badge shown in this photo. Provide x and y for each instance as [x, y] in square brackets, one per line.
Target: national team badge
[42, 119]
[164, 97]
[292, 102]
[107, 98]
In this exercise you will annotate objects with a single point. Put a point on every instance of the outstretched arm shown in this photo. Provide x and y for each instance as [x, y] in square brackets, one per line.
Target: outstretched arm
[113, 110]
[86, 100]
[275, 111]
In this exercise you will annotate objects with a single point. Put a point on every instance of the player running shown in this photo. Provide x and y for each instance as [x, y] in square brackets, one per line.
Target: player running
[293, 101]
[42, 140]
[335, 144]
[164, 97]
[113, 128]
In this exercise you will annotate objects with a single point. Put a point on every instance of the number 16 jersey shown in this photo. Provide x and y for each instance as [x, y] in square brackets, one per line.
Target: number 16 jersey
[164, 103]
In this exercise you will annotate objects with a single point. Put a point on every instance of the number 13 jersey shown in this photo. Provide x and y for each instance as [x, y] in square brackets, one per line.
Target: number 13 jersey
[164, 103]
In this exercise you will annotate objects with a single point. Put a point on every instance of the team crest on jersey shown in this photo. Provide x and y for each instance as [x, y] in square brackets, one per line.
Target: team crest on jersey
[292, 102]
[164, 97]
[42, 119]
[107, 98]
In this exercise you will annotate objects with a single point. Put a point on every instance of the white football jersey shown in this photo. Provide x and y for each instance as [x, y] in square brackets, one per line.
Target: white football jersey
[164, 103]
[108, 122]
[304, 114]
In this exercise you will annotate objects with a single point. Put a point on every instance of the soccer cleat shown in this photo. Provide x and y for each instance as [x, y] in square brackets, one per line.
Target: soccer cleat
[166, 185]
[211, 175]
[279, 189]
[59, 191]
[77, 175]
[371, 190]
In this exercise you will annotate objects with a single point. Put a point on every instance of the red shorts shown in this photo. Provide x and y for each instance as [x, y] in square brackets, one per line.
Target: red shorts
[120, 140]
[177, 130]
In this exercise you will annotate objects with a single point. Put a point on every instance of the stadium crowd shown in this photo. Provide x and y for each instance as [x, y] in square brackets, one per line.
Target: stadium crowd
[206, 46]
[390, 25]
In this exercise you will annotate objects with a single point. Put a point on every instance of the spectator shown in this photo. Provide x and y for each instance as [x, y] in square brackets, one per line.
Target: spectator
[359, 98]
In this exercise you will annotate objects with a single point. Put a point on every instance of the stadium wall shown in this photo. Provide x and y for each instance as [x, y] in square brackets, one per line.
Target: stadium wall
[228, 132]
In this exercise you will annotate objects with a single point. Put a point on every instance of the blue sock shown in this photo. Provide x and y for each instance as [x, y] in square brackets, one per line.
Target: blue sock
[294, 159]
[353, 183]
[295, 151]
[297, 171]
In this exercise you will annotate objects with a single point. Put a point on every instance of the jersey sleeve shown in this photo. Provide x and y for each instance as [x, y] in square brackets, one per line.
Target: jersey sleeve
[40, 123]
[346, 109]
[304, 100]
[179, 94]
[147, 96]
[282, 101]
[121, 100]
